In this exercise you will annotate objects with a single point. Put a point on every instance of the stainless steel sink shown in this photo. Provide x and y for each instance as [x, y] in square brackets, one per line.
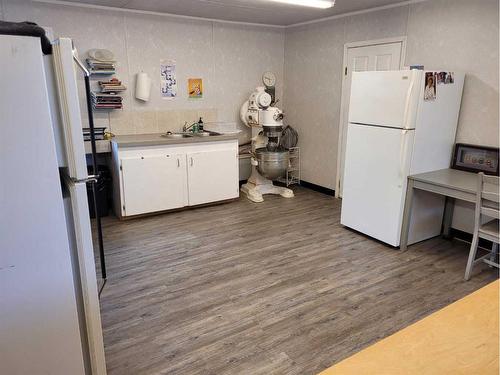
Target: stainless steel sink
[177, 135]
[206, 133]
[189, 135]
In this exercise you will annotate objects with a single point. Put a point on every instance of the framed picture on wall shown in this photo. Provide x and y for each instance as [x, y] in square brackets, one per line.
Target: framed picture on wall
[195, 88]
[474, 158]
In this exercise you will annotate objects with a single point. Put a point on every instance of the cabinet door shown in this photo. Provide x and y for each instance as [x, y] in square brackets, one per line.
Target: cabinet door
[153, 183]
[212, 176]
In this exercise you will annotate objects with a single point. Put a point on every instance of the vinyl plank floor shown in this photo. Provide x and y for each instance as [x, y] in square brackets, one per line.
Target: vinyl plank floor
[278, 287]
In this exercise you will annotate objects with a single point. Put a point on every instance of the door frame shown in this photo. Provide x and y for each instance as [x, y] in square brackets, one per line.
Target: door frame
[344, 100]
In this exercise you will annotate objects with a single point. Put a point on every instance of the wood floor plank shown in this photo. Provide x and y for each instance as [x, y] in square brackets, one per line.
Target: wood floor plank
[278, 287]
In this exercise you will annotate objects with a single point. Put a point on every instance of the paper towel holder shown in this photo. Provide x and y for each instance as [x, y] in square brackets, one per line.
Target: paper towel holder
[142, 86]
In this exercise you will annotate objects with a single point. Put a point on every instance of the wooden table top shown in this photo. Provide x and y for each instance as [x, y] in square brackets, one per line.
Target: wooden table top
[461, 338]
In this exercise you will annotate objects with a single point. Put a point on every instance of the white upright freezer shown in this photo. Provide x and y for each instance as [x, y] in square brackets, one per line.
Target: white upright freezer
[392, 133]
[49, 307]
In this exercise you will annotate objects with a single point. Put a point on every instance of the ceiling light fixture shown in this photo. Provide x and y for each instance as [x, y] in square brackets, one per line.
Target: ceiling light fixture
[323, 4]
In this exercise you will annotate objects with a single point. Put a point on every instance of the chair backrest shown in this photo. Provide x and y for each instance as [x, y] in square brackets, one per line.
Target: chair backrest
[488, 197]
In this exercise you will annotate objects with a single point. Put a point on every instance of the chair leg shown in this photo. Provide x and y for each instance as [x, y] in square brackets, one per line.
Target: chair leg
[494, 251]
[472, 256]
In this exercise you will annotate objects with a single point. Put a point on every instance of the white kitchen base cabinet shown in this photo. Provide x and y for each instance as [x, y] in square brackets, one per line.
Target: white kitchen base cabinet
[212, 176]
[157, 178]
[153, 183]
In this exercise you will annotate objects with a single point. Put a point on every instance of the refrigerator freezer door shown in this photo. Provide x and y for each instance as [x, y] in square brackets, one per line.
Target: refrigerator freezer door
[83, 252]
[436, 127]
[69, 109]
[388, 98]
[377, 163]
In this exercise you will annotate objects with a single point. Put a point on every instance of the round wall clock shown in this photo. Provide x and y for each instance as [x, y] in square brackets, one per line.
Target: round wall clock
[269, 79]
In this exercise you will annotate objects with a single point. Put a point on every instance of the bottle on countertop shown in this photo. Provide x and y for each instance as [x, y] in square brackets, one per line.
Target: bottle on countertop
[194, 127]
[200, 125]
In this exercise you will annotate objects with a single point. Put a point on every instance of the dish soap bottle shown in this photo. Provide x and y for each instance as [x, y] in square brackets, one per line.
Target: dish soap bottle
[200, 125]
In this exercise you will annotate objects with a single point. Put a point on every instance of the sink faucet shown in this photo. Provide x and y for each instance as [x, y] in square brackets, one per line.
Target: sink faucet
[185, 128]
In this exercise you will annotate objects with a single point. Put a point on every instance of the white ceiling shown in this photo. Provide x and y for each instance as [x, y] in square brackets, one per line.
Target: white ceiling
[253, 11]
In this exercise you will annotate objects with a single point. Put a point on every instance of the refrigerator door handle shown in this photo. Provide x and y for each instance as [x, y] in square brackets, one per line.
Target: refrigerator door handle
[80, 64]
[402, 158]
[90, 178]
[407, 103]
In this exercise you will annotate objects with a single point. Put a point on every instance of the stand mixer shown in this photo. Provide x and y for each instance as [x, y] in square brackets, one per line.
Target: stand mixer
[269, 161]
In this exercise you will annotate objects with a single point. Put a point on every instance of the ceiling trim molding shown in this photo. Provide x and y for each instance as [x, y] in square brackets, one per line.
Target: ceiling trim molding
[348, 14]
[148, 12]
[172, 15]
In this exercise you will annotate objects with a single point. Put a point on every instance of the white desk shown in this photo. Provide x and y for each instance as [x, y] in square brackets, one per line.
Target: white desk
[452, 183]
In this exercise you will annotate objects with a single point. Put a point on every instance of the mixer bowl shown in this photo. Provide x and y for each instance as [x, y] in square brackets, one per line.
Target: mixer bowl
[272, 164]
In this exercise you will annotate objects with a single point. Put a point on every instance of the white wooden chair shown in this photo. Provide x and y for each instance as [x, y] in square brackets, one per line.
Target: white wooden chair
[487, 204]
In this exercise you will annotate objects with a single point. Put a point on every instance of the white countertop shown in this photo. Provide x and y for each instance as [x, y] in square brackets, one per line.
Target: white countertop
[135, 140]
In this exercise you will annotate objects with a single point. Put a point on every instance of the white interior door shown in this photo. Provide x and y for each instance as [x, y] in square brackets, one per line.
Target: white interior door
[371, 56]
[212, 176]
[153, 183]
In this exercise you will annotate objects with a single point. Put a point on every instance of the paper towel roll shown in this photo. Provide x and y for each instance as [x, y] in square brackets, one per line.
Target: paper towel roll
[142, 86]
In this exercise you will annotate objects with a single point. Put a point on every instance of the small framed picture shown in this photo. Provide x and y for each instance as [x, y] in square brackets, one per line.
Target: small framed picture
[473, 158]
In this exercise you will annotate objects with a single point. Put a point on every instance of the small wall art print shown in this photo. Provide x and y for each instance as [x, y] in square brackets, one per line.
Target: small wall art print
[195, 88]
[168, 79]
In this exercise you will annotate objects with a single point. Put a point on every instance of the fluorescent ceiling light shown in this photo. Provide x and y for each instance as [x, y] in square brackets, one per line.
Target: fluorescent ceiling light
[323, 4]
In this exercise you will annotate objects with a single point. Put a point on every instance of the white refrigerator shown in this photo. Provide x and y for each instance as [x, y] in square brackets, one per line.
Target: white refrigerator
[392, 133]
[49, 307]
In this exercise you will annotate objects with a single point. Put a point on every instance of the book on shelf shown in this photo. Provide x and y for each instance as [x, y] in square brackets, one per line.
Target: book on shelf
[106, 101]
[113, 85]
[100, 67]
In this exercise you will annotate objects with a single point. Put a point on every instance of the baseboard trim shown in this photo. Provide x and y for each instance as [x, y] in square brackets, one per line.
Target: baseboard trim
[308, 185]
[467, 237]
[318, 188]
